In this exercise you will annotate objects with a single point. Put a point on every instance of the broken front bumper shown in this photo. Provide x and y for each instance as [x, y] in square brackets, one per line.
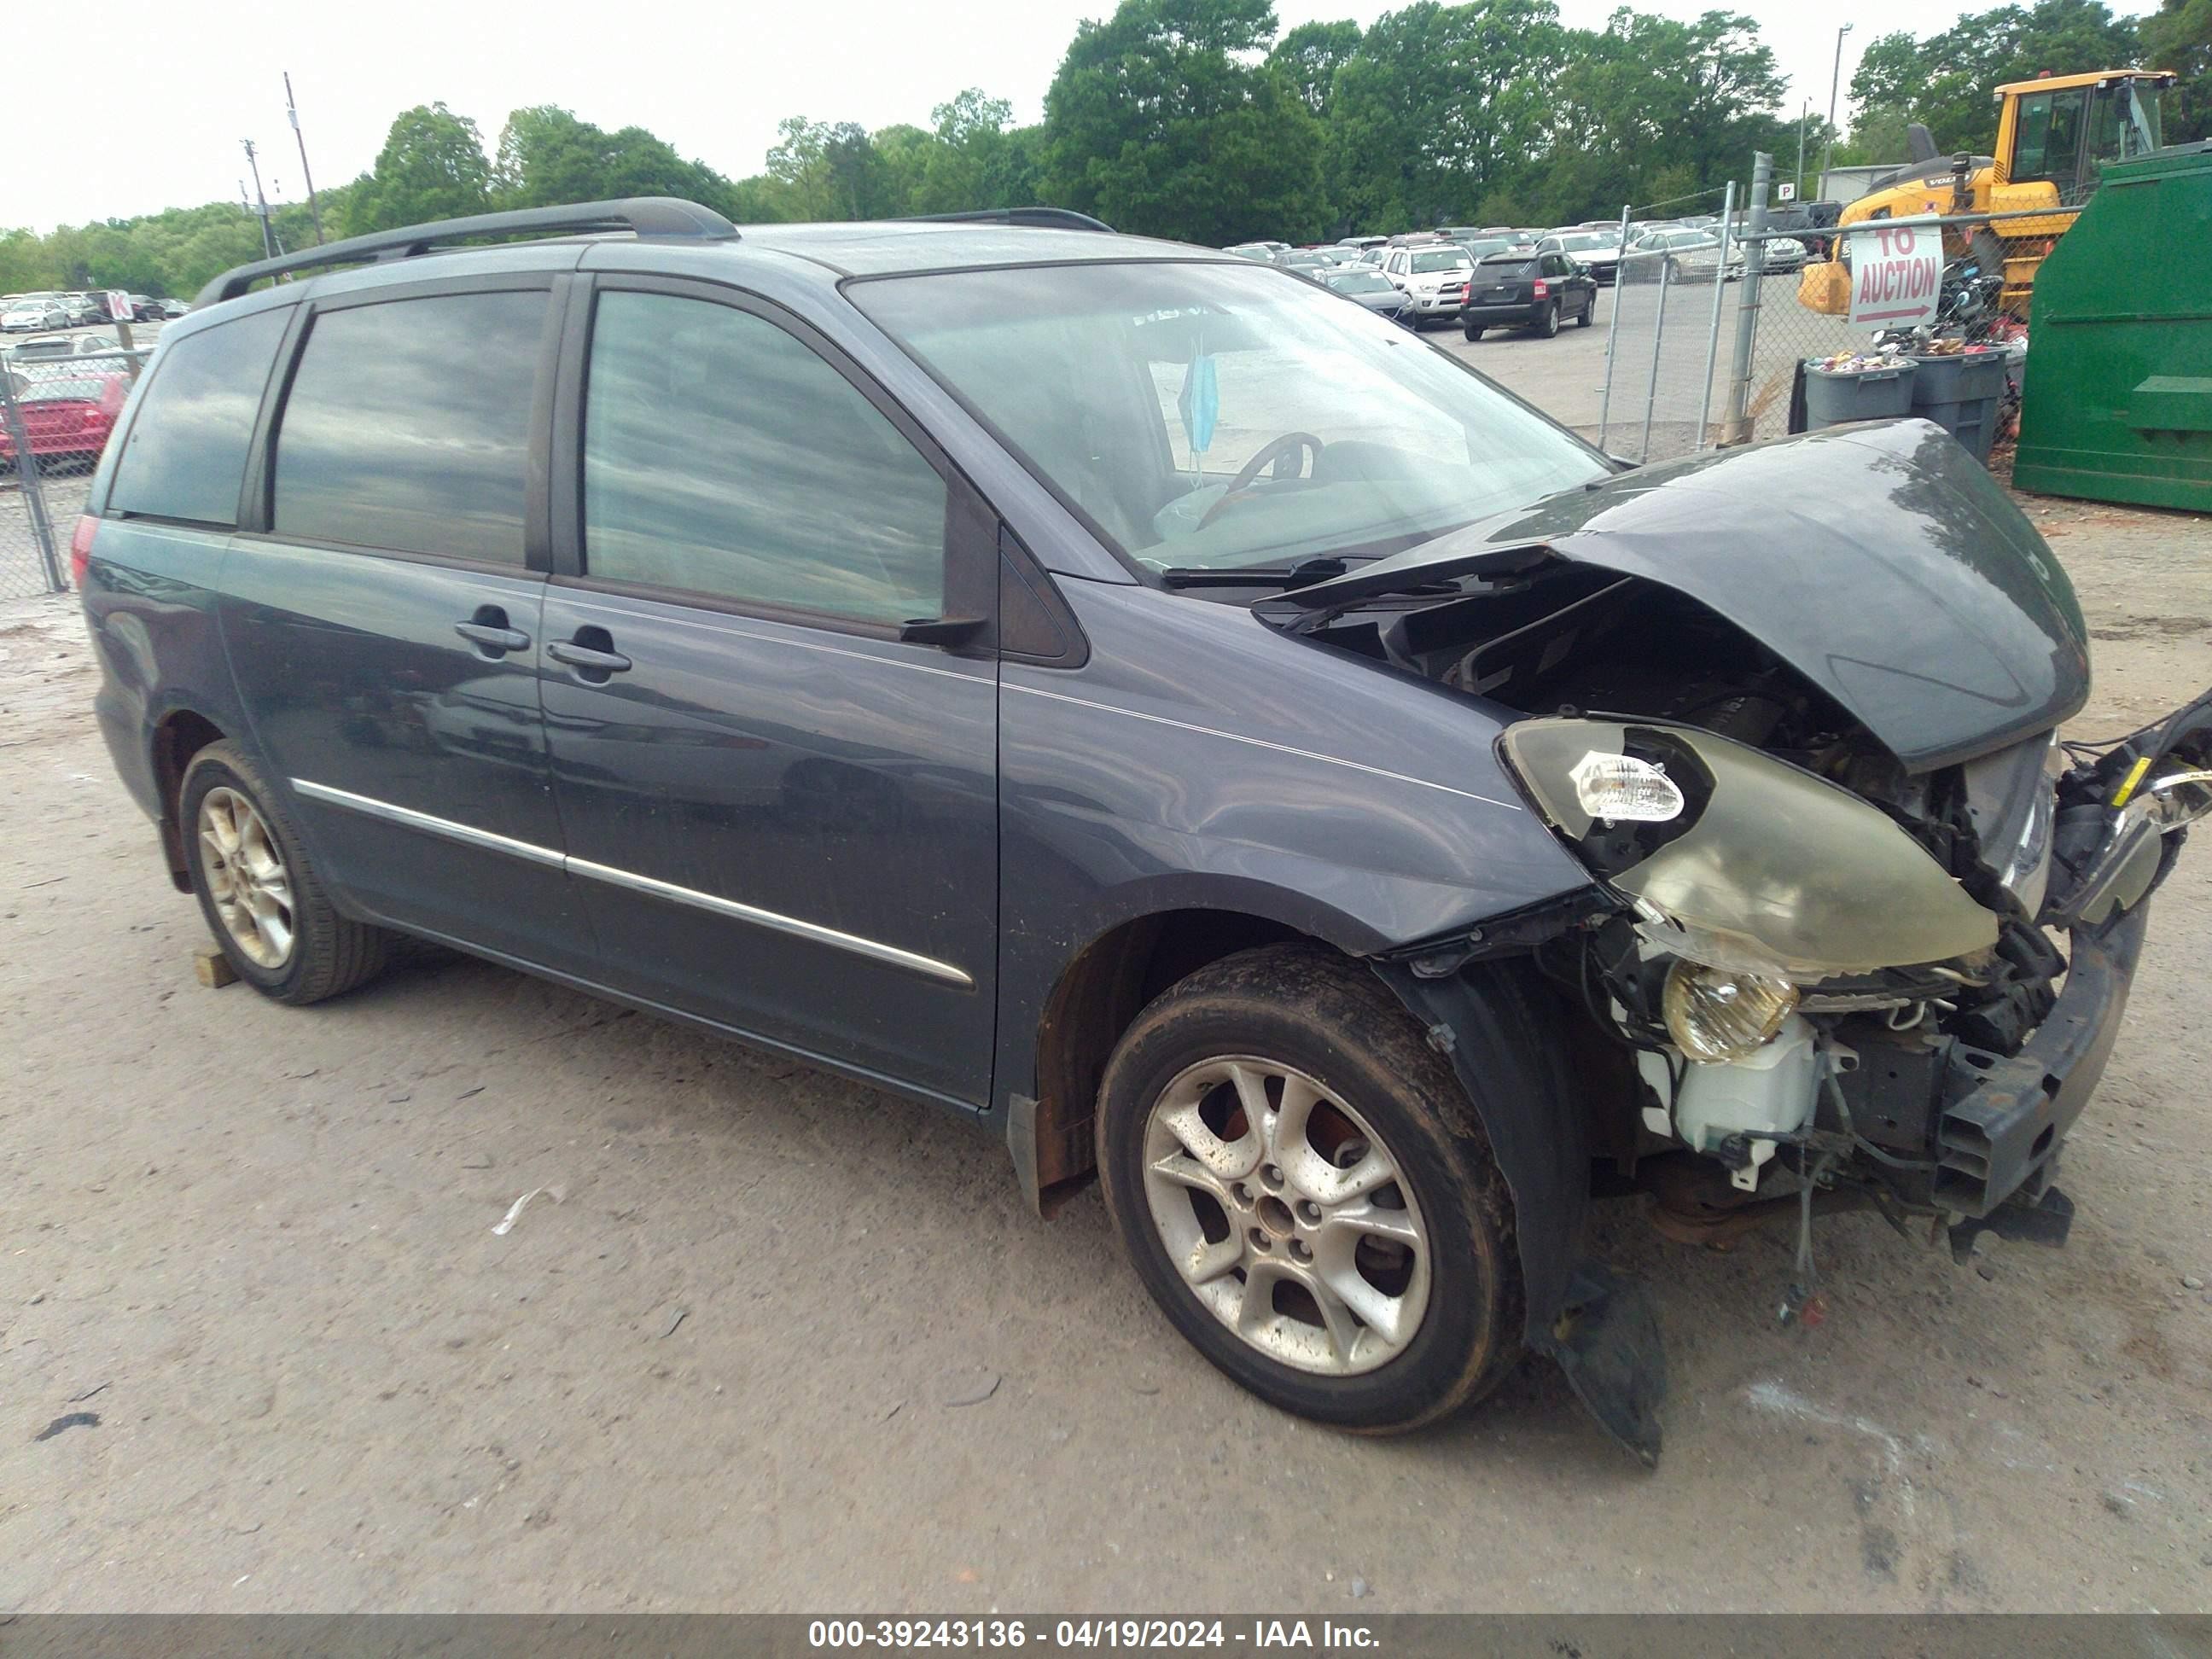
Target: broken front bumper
[1998, 1133]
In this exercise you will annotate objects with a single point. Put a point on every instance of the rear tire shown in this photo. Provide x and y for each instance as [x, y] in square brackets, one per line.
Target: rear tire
[263, 898]
[1472, 330]
[1548, 325]
[1344, 1249]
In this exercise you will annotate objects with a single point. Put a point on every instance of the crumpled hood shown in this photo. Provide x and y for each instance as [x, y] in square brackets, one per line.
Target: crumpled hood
[1881, 562]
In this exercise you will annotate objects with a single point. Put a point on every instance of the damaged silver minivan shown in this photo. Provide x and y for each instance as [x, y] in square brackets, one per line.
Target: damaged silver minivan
[1187, 727]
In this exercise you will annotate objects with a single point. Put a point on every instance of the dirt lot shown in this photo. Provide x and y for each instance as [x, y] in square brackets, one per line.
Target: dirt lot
[782, 1343]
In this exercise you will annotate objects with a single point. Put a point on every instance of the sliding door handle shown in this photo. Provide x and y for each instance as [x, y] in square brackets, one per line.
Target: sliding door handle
[586, 658]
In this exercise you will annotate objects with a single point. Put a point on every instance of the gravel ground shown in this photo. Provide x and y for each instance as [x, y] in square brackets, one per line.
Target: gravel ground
[767, 1341]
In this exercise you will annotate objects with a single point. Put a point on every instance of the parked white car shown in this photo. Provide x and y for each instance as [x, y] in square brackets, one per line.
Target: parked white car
[33, 317]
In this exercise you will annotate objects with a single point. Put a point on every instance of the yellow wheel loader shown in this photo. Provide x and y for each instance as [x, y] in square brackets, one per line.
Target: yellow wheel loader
[2054, 134]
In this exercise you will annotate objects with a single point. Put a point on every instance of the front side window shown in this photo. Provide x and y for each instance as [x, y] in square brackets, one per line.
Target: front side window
[408, 426]
[2049, 136]
[722, 456]
[185, 457]
[1220, 416]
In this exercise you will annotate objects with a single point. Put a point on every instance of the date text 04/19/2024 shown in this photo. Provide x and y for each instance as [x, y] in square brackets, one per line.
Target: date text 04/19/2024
[1062, 1634]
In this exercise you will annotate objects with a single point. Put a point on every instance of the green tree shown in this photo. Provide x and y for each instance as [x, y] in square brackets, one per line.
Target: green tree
[1310, 56]
[1159, 123]
[547, 156]
[831, 169]
[432, 166]
[963, 157]
[1947, 82]
[1438, 105]
[2178, 36]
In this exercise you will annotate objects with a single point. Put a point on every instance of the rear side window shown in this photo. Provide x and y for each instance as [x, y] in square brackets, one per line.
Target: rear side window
[408, 426]
[186, 454]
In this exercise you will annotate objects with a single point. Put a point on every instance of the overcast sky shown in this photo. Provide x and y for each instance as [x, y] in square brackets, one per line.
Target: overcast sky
[144, 106]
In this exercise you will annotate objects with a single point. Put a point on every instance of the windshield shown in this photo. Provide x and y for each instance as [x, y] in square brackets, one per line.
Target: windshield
[1360, 281]
[1140, 392]
[1425, 263]
[1585, 243]
[2124, 123]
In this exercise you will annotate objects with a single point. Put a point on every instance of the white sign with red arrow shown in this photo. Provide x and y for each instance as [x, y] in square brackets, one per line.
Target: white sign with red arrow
[1897, 274]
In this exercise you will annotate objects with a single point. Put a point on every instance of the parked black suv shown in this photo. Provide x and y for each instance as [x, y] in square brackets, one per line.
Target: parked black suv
[1125, 696]
[1532, 290]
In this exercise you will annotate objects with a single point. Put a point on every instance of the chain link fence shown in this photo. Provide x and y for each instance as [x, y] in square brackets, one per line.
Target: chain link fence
[1673, 301]
[60, 398]
[1709, 344]
[1805, 317]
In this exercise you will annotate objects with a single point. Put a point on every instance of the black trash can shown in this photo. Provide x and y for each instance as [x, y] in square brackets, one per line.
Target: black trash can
[1960, 392]
[1833, 396]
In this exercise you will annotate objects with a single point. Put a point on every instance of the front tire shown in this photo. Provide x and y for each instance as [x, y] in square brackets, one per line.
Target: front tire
[1590, 313]
[262, 899]
[1301, 1185]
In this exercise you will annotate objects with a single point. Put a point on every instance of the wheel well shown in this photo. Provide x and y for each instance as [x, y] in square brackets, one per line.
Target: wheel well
[176, 741]
[1098, 996]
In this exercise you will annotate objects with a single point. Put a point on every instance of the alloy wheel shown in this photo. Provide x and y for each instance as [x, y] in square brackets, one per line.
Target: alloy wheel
[1286, 1216]
[246, 878]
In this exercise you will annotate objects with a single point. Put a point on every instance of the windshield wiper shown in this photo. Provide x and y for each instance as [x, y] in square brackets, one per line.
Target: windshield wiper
[1259, 575]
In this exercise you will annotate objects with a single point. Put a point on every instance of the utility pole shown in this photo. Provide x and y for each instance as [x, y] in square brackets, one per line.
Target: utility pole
[1804, 115]
[268, 246]
[1828, 138]
[315, 211]
[276, 236]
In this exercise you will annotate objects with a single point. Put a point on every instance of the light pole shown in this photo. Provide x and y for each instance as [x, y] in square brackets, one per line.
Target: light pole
[1835, 80]
[1804, 116]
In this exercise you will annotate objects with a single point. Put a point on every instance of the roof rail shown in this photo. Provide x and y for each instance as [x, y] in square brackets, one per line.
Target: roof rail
[648, 216]
[1050, 218]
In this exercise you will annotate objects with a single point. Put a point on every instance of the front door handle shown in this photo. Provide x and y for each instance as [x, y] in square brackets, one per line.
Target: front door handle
[586, 658]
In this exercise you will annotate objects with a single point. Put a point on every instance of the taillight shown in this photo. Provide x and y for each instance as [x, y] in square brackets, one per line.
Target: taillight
[81, 549]
[1543, 287]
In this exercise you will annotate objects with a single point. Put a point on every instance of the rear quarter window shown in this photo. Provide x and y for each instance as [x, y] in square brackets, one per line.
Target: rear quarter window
[185, 456]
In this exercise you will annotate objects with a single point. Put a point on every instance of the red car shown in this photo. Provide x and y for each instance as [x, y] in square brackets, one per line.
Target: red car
[67, 417]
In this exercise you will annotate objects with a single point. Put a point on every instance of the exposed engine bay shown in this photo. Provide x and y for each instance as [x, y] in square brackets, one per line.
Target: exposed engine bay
[1811, 956]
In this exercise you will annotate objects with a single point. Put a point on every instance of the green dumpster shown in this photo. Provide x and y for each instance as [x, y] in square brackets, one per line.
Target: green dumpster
[2117, 405]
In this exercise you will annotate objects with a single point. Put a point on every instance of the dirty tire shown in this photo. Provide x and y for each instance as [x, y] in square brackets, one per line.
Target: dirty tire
[1308, 1007]
[331, 953]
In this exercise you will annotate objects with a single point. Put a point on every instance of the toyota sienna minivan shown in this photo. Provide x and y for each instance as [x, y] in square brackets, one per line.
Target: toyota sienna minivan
[1185, 726]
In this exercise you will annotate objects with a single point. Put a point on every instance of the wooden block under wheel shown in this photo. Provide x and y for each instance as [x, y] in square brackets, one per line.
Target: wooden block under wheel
[212, 969]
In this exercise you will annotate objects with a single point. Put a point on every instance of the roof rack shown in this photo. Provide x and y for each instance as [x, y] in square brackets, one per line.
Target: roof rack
[1043, 218]
[648, 216]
